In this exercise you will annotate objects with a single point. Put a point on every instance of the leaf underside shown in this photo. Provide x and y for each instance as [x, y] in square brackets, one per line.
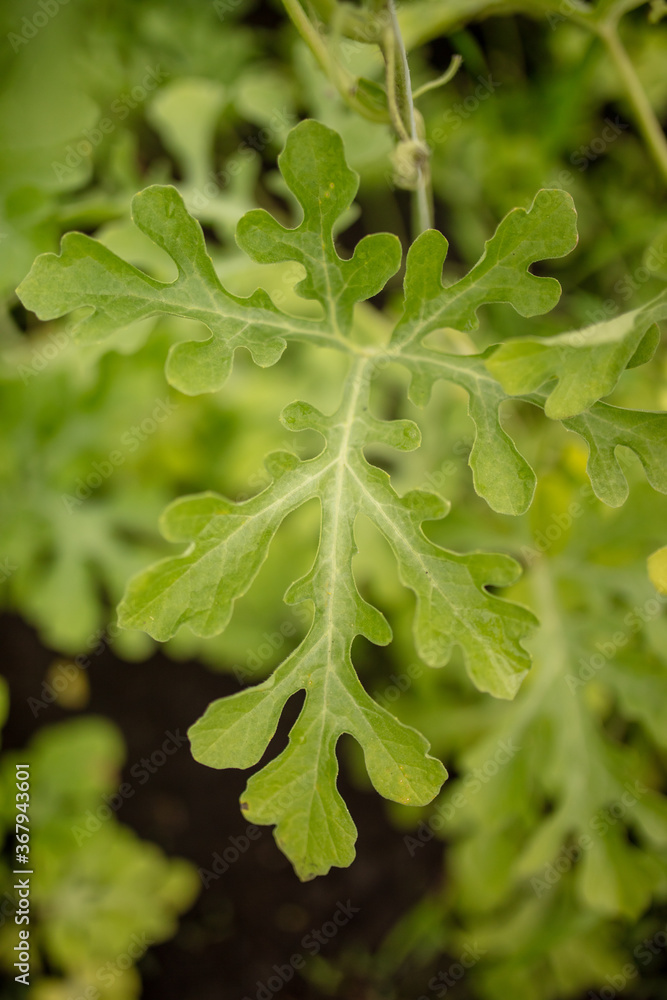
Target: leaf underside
[228, 542]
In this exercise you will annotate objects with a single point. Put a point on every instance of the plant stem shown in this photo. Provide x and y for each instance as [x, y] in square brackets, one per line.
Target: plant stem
[422, 201]
[344, 83]
[310, 36]
[647, 122]
[448, 75]
[403, 83]
[395, 112]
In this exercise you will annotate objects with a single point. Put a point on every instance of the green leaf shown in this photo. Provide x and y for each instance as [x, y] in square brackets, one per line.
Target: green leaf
[604, 427]
[97, 888]
[500, 473]
[422, 21]
[228, 544]
[587, 363]
[313, 164]
[185, 112]
[616, 878]
[546, 230]
[314, 168]
[86, 274]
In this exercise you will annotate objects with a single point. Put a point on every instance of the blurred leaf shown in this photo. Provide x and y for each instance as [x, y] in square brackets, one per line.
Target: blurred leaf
[100, 897]
[657, 570]
[604, 428]
[587, 363]
[616, 878]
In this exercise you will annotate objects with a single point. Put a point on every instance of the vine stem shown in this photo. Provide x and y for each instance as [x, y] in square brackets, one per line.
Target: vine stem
[422, 207]
[647, 122]
[341, 79]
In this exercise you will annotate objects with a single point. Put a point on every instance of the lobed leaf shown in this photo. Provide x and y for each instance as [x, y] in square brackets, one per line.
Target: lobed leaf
[587, 363]
[86, 274]
[546, 230]
[500, 473]
[313, 165]
[604, 428]
[228, 544]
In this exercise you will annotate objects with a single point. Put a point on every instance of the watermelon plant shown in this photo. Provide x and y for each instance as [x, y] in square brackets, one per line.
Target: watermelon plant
[426, 497]
[566, 375]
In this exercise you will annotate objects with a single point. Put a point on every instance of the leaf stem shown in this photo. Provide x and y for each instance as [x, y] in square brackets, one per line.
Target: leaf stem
[403, 83]
[395, 113]
[402, 95]
[448, 75]
[343, 81]
[647, 122]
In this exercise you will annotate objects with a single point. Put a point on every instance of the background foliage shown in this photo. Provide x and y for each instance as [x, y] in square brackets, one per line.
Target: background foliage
[537, 103]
